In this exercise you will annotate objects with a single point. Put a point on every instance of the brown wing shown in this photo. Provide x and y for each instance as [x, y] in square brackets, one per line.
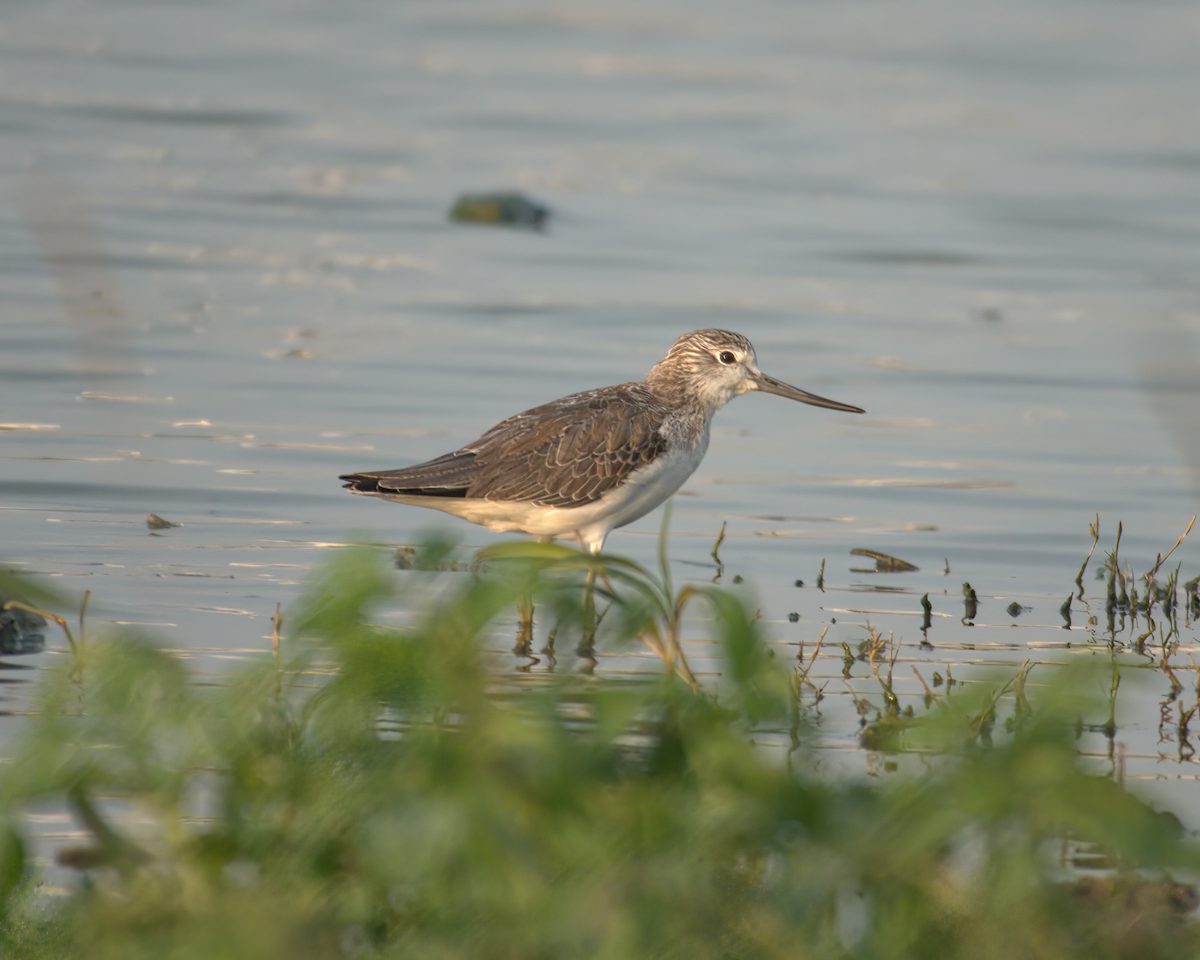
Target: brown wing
[563, 454]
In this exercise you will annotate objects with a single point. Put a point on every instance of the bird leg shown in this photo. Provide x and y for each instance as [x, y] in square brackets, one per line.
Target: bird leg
[548, 649]
[524, 627]
[587, 644]
[524, 645]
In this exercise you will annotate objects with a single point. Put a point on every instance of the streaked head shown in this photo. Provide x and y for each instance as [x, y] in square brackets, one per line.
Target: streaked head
[714, 366]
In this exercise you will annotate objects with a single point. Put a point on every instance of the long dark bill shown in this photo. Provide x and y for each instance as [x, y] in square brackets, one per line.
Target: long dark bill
[778, 387]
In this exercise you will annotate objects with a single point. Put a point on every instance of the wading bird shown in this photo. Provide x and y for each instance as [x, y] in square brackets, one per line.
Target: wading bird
[584, 465]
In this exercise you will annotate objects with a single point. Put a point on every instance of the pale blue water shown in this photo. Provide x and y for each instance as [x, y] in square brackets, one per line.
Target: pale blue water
[980, 223]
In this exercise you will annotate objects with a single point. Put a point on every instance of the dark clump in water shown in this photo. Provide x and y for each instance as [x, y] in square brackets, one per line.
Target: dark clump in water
[21, 631]
[883, 563]
[510, 209]
[409, 558]
[970, 603]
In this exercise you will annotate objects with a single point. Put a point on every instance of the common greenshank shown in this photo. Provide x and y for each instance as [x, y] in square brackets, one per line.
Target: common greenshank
[582, 466]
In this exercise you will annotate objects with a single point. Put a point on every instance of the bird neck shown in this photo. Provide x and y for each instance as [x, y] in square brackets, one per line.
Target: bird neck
[686, 390]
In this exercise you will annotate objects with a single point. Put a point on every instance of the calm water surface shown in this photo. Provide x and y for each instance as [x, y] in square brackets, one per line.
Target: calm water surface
[227, 276]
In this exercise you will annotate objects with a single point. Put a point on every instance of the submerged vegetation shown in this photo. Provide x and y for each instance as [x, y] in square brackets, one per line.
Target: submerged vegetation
[367, 792]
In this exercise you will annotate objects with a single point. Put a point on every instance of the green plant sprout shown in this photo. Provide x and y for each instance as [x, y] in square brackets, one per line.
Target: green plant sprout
[372, 792]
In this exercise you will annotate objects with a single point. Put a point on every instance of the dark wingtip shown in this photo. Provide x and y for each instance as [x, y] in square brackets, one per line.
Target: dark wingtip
[369, 483]
[359, 482]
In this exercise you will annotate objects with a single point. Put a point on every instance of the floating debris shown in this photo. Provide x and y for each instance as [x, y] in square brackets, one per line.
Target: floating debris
[407, 558]
[883, 563]
[793, 617]
[970, 603]
[83, 857]
[1094, 530]
[509, 209]
[847, 660]
[715, 556]
[155, 522]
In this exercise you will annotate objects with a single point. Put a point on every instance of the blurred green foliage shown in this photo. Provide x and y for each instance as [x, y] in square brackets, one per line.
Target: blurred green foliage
[373, 794]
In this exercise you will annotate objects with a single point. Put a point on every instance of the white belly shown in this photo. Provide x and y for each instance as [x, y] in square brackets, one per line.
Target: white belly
[641, 492]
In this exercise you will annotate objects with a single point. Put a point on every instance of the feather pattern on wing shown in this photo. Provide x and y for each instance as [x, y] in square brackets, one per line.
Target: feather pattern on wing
[563, 454]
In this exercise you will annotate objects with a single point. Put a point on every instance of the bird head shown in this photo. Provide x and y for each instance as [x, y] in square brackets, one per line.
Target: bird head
[714, 366]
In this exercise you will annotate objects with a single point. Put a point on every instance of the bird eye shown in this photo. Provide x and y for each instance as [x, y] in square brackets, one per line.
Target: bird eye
[727, 357]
